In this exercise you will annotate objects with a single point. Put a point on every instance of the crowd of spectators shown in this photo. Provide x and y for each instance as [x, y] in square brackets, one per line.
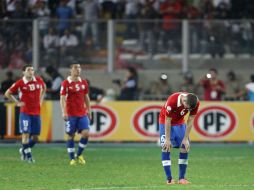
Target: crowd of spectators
[209, 87]
[17, 15]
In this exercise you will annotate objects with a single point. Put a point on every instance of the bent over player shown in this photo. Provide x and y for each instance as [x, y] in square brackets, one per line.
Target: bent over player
[75, 104]
[31, 90]
[175, 133]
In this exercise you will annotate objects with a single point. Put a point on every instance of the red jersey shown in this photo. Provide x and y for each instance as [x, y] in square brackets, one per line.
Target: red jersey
[169, 17]
[211, 93]
[75, 96]
[174, 109]
[29, 93]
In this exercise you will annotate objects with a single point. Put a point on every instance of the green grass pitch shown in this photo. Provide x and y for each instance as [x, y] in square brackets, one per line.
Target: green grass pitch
[126, 167]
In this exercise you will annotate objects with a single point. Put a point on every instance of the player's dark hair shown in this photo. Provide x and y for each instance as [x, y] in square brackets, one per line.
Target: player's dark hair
[214, 70]
[25, 66]
[192, 100]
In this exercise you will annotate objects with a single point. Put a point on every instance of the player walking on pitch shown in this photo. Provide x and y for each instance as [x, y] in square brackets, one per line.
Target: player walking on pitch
[75, 104]
[175, 133]
[31, 90]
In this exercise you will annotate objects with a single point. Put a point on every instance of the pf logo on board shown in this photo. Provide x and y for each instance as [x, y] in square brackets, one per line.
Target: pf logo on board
[145, 121]
[103, 122]
[215, 122]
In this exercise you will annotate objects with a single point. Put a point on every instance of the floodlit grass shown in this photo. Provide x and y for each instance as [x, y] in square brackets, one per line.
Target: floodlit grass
[211, 167]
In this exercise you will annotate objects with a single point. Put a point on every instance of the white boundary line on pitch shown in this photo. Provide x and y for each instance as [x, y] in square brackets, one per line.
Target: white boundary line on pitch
[157, 186]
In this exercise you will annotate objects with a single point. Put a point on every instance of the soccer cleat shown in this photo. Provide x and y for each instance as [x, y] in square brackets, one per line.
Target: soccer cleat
[170, 181]
[81, 160]
[73, 162]
[30, 160]
[184, 182]
[22, 154]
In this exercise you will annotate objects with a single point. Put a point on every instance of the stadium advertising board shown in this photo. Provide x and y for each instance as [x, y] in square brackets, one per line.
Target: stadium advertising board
[9, 115]
[215, 122]
[223, 121]
[145, 121]
[103, 122]
[137, 121]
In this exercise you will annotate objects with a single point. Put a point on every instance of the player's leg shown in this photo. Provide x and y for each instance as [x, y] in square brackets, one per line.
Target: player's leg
[70, 130]
[165, 157]
[25, 130]
[183, 156]
[35, 130]
[83, 128]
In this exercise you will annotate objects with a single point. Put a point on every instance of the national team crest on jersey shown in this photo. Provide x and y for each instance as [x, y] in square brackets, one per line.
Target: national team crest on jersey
[145, 121]
[215, 122]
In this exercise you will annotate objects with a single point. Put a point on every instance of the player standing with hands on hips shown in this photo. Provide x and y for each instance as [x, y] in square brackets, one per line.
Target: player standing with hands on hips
[175, 133]
[31, 90]
[75, 104]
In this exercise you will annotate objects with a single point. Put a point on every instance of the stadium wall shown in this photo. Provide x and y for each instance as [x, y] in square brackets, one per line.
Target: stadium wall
[137, 122]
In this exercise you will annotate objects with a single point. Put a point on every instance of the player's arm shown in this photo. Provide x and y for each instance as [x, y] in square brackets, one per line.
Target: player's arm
[167, 144]
[9, 95]
[63, 107]
[185, 141]
[87, 105]
[43, 92]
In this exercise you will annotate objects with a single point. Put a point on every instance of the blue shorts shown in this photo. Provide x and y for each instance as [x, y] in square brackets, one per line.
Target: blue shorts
[76, 124]
[30, 124]
[176, 135]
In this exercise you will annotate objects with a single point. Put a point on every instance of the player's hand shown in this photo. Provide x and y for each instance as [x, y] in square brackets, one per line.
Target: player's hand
[65, 117]
[20, 104]
[186, 144]
[167, 145]
[89, 114]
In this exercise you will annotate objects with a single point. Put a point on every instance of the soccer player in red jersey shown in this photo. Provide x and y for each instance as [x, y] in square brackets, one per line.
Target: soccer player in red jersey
[31, 90]
[175, 133]
[75, 104]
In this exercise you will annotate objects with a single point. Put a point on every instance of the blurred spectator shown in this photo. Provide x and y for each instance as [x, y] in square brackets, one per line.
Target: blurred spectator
[158, 90]
[110, 95]
[51, 45]
[68, 42]
[131, 13]
[16, 60]
[3, 53]
[91, 14]
[63, 13]
[10, 6]
[53, 91]
[72, 4]
[222, 11]
[248, 90]
[216, 37]
[171, 10]
[188, 84]
[213, 87]
[233, 86]
[147, 37]
[129, 88]
[207, 9]
[109, 9]
[52, 5]
[95, 93]
[22, 28]
[7, 82]
[42, 12]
